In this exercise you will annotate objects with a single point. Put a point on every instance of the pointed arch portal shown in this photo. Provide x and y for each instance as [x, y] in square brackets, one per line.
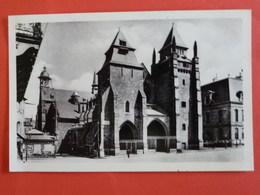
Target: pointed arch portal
[127, 134]
[156, 131]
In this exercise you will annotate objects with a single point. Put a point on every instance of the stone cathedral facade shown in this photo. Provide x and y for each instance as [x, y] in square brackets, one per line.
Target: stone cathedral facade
[161, 110]
[134, 109]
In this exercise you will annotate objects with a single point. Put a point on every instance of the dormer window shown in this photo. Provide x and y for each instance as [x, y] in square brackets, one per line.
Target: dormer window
[122, 43]
[209, 97]
[239, 95]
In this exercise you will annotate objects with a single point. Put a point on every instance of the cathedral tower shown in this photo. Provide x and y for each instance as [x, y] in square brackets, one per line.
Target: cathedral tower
[121, 93]
[177, 90]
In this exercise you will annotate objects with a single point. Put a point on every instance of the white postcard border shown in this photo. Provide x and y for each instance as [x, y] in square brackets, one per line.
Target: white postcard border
[102, 166]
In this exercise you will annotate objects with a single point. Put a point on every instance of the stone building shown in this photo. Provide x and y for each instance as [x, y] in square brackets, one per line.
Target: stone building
[223, 113]
[139, 110]
[131, 109]
[58, 109]
[28, 41]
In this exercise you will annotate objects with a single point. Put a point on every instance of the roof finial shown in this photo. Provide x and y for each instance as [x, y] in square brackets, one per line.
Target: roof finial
[195, 49]
[154, 56]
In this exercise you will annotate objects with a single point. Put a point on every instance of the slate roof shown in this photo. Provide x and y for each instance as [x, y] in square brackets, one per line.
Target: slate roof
[225, 89]
[65, 108]
[153, 112]
[115, 57]
[169, 40]
[120, 36]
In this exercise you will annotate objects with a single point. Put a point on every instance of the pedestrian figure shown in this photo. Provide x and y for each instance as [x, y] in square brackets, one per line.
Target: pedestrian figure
[128, 153]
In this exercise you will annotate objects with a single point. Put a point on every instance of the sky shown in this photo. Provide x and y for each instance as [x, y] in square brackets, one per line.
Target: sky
[72, 51]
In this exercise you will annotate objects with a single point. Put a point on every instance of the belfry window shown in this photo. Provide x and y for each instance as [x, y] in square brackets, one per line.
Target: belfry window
[127, 107]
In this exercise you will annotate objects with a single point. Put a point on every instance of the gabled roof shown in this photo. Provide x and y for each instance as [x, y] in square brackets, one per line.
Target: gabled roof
[169, 40]
[64, 107]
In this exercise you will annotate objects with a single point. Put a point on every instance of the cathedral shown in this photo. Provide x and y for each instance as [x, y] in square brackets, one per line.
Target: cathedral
[132, 109]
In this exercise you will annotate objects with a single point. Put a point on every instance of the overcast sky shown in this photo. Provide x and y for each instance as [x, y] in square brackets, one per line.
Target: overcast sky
[71, 51]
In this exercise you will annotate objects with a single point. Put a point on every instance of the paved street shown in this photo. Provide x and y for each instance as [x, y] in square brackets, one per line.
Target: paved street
[205, 155]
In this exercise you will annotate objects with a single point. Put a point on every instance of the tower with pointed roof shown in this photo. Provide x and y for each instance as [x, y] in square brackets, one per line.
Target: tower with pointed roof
[177, 90]
[121, 95]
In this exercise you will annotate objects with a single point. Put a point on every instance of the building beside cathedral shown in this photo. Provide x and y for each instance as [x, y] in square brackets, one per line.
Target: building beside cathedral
[131, 109]
[223, 113]
[59, 110]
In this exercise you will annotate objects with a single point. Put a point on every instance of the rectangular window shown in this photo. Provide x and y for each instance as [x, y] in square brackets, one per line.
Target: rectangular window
[236, 133]
[183, 81]
[183, 104]
[132, 73]
[236, 115]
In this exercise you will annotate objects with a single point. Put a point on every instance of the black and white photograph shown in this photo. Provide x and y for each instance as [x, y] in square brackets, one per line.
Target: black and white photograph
[131, 91]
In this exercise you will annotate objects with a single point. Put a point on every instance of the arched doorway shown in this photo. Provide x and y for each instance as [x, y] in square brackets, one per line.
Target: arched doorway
[127, 134]
[157, 136]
